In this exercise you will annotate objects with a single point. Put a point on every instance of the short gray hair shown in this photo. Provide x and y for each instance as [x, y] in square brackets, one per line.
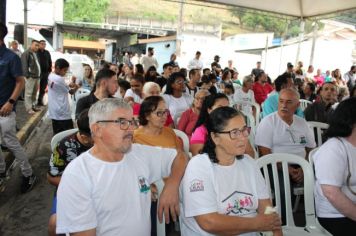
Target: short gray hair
[291, 90]
[247, 78]
[148, 85]
[102, 109]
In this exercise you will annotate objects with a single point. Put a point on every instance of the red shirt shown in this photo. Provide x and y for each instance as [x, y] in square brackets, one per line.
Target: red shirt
[187, 122]
[261, 91]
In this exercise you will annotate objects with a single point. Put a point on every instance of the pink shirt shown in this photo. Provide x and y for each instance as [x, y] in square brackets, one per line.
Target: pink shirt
[319, 80]
[199, 135]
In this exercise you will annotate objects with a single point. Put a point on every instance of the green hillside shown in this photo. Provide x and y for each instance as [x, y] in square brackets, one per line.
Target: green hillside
[169, 10]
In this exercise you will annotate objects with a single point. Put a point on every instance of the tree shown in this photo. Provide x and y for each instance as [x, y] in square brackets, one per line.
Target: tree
[85, 10]
[239, 13]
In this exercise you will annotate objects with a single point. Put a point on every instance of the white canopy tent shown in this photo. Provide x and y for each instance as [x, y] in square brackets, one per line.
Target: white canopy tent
[302, 9]
[293, 8]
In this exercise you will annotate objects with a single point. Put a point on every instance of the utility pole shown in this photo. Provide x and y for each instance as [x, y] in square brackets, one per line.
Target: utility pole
[180, 28]
[315, 35]
[3, 11]
[301, 36]
[25, 10]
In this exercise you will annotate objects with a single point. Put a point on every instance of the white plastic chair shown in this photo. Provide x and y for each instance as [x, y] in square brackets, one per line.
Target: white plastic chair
[176, 118]
[185, 140]
[312, 227]
[58, 137]
[310, 158]
[238, 106]
[319, 128]
[304, 103]
[75, 98]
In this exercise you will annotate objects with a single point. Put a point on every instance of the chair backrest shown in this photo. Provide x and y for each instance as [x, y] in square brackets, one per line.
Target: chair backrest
[304, 103]
[239, 104]
[258, 113]
[185, 141]
[58, 137]
[75, 98]
[176, 118]
[318, 128]
[270, 162]
[310, 158]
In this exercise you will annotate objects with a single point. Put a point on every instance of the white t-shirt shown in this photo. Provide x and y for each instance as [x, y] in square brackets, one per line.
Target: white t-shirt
[330, 162]
[113, 197]
[177, 105]
[195, 64]
[205, 189]
[148, 61]
[58, 102]
[136, 98]
[240, 97]
[277, 135]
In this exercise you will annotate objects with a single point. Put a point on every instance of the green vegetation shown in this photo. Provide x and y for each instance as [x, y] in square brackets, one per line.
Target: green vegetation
[85, 11]
[234, 20]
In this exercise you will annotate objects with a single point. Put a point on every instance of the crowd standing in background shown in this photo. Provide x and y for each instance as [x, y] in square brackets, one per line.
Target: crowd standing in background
[218, 111]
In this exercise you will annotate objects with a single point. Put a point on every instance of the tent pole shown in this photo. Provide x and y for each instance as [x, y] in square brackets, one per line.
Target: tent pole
[282, 44]
[301, 36]
[315, 33]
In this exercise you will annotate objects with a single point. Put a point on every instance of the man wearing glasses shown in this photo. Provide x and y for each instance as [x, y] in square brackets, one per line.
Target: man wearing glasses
[105, 191]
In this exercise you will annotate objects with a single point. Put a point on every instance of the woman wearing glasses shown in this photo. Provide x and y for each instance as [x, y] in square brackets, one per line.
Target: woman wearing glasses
[152, 117]
[151, 89]
[223, 191]
[200, 133]
[335, 172]
[176, 100]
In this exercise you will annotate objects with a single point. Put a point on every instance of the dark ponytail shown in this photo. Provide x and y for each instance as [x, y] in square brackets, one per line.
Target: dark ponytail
[217, 122]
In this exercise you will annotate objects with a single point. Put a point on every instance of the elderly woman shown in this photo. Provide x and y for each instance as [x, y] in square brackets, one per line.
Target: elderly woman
[134, 94]
[153, 115]
[335, 168]
[200, 132]
[210, 204]
[176, 100]
[151, 89]
[189, 117]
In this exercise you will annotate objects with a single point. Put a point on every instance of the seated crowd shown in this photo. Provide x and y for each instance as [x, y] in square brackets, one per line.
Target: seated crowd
[132, 112]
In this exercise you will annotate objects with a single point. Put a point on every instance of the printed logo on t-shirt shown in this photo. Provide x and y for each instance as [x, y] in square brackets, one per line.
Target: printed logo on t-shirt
[303, 140]
[143, 184]
[196, 185]
[238, 203]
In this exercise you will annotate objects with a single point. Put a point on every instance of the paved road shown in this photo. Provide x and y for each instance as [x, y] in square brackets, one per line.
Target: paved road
[27, 214]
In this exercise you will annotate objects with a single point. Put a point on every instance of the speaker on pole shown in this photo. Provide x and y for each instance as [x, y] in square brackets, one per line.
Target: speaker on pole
[18, 33]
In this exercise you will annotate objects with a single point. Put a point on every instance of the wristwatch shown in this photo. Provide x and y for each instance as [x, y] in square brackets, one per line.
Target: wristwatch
[11, 101]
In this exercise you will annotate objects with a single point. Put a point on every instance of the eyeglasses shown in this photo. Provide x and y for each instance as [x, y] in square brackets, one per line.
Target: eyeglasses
[124, 124]
[161, 113]
[236, 133]
[179, 81]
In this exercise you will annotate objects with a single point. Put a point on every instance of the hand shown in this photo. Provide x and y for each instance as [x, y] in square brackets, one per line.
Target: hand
[270, 222]
[168, 202]
[296, 174]
[6, 109]
[73, 79]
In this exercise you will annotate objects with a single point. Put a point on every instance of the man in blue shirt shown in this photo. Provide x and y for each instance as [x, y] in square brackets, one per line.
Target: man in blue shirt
[270, 105]
[11, 84]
